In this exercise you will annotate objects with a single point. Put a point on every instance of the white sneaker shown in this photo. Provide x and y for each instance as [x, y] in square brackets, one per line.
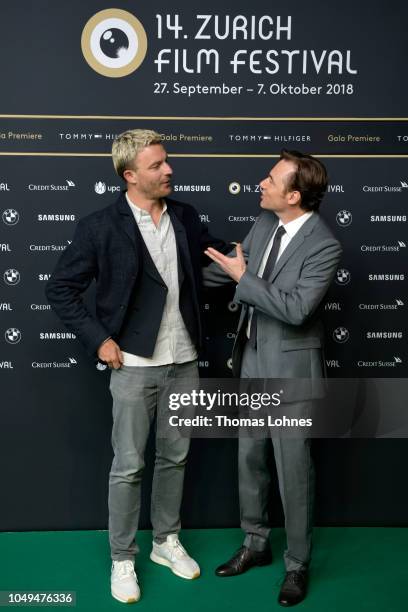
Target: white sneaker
[171, 554]
[124, 586]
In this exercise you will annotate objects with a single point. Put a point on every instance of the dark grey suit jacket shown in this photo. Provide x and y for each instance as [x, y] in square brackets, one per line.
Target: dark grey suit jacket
[289, 330]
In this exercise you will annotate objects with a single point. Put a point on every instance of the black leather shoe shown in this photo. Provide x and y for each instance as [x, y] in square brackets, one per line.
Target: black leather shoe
[243, 560]
[293, 589]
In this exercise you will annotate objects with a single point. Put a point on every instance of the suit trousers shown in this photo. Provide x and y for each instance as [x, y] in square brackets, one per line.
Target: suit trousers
[296, 484]
[138, 398]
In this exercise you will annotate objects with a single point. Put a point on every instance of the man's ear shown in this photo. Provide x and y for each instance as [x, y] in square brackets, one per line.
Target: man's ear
[130, 176]
[295, 198]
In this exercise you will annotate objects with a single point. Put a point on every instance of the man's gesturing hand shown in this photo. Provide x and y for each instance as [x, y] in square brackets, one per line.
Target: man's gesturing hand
[110, 352]
[233, 266]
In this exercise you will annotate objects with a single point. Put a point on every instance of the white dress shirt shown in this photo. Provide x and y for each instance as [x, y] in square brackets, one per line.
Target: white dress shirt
[291, 230]
[173, 343]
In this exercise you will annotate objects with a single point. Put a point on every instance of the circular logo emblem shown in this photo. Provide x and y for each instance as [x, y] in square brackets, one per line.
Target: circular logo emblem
[343, 276]
[11, 277]
[100, 187]
[233, 307]
[344, 218]
[234, 188]
[114, 43]
[12, 335]
[10, 217]
[229, 363]
[341, 334]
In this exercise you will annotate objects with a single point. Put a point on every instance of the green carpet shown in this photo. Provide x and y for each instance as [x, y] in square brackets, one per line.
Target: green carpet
[353, 569]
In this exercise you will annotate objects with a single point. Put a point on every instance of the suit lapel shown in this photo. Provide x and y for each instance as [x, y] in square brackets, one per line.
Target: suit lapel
[183, 253]
[127, 220]
[294, 244]
[263, 236]
[130, 226]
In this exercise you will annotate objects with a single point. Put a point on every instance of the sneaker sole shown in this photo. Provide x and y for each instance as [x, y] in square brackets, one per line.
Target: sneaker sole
[130, 600]
[156, 559]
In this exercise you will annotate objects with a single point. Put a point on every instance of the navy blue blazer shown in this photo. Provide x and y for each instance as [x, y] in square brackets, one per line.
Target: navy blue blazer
[108, 247]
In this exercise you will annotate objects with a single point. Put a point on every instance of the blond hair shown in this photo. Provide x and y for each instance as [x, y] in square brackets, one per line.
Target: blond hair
[128, 144]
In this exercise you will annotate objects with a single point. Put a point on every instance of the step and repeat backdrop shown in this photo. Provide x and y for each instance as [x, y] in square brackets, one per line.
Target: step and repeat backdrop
[227, 89]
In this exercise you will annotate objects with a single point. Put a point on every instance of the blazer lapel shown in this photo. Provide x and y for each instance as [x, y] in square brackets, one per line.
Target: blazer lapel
[130, 226]
[263, 237]
[183, 252]
[294, 244]
[127, 220]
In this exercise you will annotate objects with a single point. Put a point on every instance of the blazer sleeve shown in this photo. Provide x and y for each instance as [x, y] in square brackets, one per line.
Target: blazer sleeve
[296, 306]
[75, 270]
[214, 276]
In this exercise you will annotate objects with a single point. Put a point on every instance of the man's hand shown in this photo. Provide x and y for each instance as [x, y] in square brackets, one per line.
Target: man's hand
[110, 352]
[233, 266]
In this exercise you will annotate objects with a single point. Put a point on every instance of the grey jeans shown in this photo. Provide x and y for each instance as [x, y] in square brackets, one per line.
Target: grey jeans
[137, 399]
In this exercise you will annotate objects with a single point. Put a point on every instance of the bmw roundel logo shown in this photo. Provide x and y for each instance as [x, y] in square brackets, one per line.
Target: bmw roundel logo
[341, 335]
[11, 277]
[343, 276]
[344, 218]
[10, 216]
[12, 335]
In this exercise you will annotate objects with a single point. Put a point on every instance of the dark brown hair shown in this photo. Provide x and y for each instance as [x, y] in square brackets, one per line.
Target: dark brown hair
[310, 178]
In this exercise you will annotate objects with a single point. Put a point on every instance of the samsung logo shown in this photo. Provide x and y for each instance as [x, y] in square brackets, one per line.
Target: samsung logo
[57, 217]
[192, 187]
[57, 336]
[388, 218]
[384, 335]
[386, 277]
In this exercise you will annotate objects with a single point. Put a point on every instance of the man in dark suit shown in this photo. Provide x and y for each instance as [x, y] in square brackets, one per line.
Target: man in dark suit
[145, 253]
[283, 270]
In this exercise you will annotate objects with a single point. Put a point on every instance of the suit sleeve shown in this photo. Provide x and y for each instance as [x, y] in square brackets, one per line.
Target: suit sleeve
[75, 270]
[296, 306]
[214, 276]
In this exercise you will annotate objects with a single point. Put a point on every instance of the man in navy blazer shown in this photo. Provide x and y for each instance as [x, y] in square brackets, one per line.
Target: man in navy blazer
[145, 254]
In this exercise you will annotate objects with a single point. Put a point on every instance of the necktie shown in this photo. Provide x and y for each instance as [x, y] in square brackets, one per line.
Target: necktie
[270, 264]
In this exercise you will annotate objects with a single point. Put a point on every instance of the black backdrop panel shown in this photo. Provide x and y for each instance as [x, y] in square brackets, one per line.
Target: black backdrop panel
[58, 116]
[367, 42]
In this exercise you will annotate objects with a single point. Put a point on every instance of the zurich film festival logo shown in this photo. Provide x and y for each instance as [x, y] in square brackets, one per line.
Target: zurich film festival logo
[114, 43]
[10, 216]
[344, 218]
[12, 335]
[234, 188]
[11, 277]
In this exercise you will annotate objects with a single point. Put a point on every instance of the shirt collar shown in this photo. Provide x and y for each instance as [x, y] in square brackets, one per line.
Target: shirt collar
[294, 226]
[138, 212]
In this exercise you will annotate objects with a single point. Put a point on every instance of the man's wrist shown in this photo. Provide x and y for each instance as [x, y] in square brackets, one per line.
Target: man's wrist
[106, 340]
